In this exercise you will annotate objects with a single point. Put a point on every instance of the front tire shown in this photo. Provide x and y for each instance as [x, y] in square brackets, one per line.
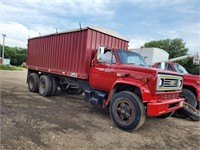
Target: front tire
[127, 111]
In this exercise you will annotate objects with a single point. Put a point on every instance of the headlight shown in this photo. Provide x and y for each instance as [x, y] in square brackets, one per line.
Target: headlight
[160, 82]
[180, 83]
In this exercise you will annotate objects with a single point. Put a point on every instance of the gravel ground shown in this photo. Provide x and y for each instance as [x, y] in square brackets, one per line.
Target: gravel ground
[29, 121]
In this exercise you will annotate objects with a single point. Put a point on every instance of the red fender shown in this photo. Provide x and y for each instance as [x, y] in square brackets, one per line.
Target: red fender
[145, 92]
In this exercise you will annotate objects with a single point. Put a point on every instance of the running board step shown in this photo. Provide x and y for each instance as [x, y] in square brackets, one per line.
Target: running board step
[95, 97]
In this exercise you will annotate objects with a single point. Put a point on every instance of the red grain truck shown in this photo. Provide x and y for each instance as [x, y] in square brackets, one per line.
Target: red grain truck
[110, 75]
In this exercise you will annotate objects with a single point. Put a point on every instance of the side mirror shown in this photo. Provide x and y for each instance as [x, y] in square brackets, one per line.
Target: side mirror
[100, 53]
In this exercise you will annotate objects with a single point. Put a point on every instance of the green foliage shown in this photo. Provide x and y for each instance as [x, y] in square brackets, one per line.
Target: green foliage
[16, 55]
[192, 69]
[175, 47]
[7, 67]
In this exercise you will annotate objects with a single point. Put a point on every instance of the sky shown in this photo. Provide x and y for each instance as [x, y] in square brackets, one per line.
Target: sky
[140, 21]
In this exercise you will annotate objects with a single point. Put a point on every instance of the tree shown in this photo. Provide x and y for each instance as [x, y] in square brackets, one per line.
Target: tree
[16, 55]
[175, 47]
[191, 68]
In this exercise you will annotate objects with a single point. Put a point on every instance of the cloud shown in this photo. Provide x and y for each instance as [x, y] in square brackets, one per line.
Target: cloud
[189, 32]
[22, 18]
[140, 21]
[150, 4]
[137, 42]
[49, 11]
[18, 34]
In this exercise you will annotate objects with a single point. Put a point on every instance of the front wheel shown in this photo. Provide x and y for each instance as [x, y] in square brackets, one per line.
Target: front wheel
[127, 110]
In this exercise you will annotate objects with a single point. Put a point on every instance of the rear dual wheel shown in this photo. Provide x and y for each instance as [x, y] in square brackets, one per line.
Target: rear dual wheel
[33, 81]
[48, 85]
[45, 85]
[54, 86]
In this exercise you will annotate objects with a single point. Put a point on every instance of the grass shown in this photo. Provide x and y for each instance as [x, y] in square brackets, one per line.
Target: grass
[7, 67]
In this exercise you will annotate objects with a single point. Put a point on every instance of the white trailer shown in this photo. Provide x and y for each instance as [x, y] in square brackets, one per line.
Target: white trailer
[152, 55]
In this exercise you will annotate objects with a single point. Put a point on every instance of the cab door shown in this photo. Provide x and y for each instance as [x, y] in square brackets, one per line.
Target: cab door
[103, 73]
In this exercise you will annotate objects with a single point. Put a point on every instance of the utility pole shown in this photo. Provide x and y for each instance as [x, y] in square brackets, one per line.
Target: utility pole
[4, 36]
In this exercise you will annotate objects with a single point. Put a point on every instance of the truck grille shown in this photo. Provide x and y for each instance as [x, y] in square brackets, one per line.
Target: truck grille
[169, 82]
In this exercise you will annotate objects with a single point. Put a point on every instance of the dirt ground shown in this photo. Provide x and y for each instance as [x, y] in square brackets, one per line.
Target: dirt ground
[29, 121]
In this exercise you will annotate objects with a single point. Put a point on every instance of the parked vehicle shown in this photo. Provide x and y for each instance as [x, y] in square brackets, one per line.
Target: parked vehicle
[191, 88]
[110, 75]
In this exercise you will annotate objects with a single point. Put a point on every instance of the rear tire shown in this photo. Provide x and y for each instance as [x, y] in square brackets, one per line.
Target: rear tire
[54, 86]
[127, 111]
[33, 81]
[45, 85]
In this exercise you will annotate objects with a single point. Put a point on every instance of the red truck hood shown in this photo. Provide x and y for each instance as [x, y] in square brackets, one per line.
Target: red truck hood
[146, 70]
[191, 77]
[139, 73]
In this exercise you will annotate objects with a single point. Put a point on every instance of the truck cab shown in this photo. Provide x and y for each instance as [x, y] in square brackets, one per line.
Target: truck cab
[191, 83]
[126, 84]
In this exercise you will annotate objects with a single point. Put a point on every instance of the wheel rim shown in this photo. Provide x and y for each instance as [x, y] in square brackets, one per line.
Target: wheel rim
[42, 87]
[31, 83]
[124, 111]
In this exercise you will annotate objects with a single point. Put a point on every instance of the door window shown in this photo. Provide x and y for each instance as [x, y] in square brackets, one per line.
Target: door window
[108, 57]
[167, 66]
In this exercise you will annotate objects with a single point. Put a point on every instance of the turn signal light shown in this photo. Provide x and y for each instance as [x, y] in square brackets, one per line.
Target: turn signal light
[198, 82]
[144, 79]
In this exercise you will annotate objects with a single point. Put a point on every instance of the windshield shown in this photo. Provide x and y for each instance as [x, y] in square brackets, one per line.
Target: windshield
[180, 68]
[128, 57]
